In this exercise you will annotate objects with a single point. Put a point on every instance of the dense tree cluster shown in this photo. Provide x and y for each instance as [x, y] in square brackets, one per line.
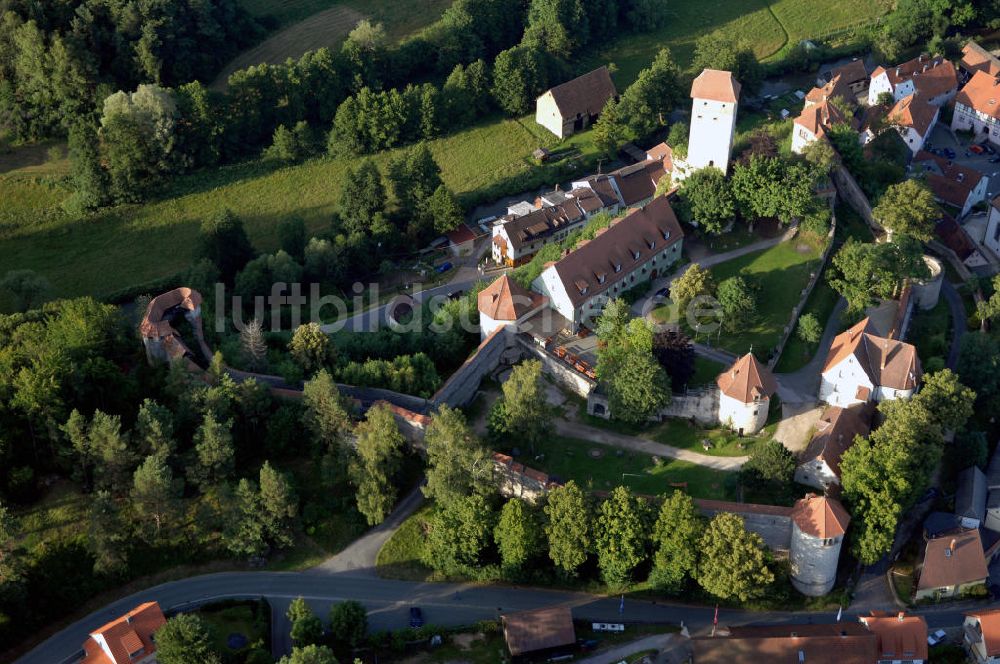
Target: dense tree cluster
[885, 474]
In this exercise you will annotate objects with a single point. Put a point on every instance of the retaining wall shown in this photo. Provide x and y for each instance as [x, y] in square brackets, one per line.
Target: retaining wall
[461, 387]
[701, 406]
[850, 191]
[562, 373]
[771, 522]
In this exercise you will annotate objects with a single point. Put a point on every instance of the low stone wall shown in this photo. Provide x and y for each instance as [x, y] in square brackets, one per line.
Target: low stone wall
[702, 406]
[850, 191]
[514, 479]
[562, 373]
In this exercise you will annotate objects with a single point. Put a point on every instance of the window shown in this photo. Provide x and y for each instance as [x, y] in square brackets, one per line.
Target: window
[618, 267]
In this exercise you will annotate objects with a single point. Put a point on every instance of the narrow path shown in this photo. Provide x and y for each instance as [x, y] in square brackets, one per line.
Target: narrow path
[802, 386]
[634, 443]
[723, 357]
[958, 317]
[359, 556]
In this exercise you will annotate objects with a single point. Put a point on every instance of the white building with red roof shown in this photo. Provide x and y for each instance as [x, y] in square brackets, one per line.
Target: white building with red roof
[914, 118]
[715, 95]
[745, 391]
[900, 638]
[981, 632]
[862, 367]
[505, 303]
[818, 527]
[126, 640]
[933, 78]
[977, 108]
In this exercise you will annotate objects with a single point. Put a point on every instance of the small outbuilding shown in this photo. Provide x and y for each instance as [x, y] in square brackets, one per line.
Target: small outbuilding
[538, 630]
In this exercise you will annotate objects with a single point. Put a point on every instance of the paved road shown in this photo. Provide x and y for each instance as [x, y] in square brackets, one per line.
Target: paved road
[585, 432]
[802, 386]
[388, 603]
[375, 317]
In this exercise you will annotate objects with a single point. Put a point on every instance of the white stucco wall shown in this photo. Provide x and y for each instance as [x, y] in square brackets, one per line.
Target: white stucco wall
[814, 562]
[750, 417]
[980, 124]
[711, 139]
[801, 137]
[547, 114]
[878, 85]
[912, 137]
[816, 473]
[840, 384]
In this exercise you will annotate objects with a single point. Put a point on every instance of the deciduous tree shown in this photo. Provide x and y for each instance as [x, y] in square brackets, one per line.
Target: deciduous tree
[695, 282]
[568, 528]
[675, 538]
[706, 200]
[185, 639]
[518, 535]
[908, 208]
[457, 463]
[307, 628]
[310, 347]
[349, 622]
[375, 462]
[733, 561]
[621, 536]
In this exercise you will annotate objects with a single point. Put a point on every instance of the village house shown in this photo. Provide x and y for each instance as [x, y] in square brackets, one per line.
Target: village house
[715, 96]
[960, 187]
[812, 124]
[851, 76]
[834, 643]
[912, 117]
[933, 79]
[862, 366]
[977, 108]
[517, 240]
[951, 566]
[899, 637]
[745, 391]
[819, 463]
[976, 58]
[538, 630]
[461, 241]
[954, 236]
[981, 633]
[992, 238]
[633, 250]
[505, 303]
[126, 640]
[573, 106]
[970, 498]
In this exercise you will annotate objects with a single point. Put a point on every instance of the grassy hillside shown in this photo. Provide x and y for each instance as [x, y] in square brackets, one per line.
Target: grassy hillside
[134, 244]
[768, 25]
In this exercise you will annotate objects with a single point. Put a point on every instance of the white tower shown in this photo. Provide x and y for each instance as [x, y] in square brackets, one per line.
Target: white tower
[715, 95]
[818, 527]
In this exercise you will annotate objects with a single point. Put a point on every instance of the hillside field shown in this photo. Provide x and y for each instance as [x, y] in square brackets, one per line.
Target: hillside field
[134, 244]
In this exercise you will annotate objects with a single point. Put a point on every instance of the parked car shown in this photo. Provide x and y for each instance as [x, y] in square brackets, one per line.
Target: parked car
[444, 267]
[455, 294]
[416, 617]
[989, 148]
[976, 149]
[663, 292]
[948, 152]
[936, 638]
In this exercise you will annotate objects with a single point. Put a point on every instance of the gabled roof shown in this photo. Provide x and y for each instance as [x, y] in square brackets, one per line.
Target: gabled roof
[955, 237]
[886, 362]
[900, 637]
[981, 93]
[587, 199]
[582, 270]
[716, 85]
[604, 187]
[505, 299]
[125, 636]
[977, 58]
[585, 94]
[818, 118]
[460, 235]
[913, 112]
[841, 643]
[851, 72]
[528, 631]
[949, 182]
[989, 624]
[837, 86]
[638, 181]
[970, 498]
[820, 517]
[542, 223]
[953, 561]
[747, 380]
[835, 433]
[931, 76]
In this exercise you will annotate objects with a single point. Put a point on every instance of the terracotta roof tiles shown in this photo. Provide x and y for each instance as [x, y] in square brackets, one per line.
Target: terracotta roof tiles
[887, 362]
[913, 112]
[950, 182]
[899, 636]
[820, 517]
[835, 433]
[716, 85]
[125, 636]
[952, 561]
[989, 624]
[507, 300]
[976, 58]
[747, 380]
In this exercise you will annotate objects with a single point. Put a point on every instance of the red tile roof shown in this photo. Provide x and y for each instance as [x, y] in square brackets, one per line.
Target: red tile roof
[976, 58]
[461, 235]
[125, 636]
[747, 380]
[820, 117]
[900, 637]
[953, 561]
[505, 299]
[716, 85]
[989, 624]
[913, 112]
[585, 94]
[887, 362]
[981, 93]
[955, 237]
[931, 76]
[842, 643]
[820, 517]
[950, 182]
[836, 431]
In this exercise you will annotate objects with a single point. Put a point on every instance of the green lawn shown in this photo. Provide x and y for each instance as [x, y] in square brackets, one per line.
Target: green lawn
[781, 273]
[820, 304]
[399, 18]
[134, 244]
[235, 618]
[597, 467]
[705, 372]
[769, 26]
[399, 557]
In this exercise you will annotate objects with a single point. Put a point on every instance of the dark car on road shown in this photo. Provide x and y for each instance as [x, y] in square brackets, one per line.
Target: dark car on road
[663, 292]
[416, 617]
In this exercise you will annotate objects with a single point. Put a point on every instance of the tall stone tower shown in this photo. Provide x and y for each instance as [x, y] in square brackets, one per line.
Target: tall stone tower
[818, 527]
[715, 95]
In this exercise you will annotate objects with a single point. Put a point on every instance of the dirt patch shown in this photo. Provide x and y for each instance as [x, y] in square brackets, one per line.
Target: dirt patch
[327, 28]
[465, 641]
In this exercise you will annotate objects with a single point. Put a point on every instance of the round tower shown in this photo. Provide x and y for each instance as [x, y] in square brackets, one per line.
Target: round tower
[818, 527]
[927, 291]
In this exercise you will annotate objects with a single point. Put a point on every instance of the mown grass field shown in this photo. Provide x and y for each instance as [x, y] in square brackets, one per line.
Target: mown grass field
[820, 304]
[307, 25]
[769, 26]
[134, 244]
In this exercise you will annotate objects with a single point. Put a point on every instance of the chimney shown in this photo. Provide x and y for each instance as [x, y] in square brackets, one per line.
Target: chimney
[900, 616]
[898, 70]
[950, 549]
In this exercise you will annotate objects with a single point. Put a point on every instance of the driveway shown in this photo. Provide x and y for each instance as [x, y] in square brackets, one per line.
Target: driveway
[636, 444]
